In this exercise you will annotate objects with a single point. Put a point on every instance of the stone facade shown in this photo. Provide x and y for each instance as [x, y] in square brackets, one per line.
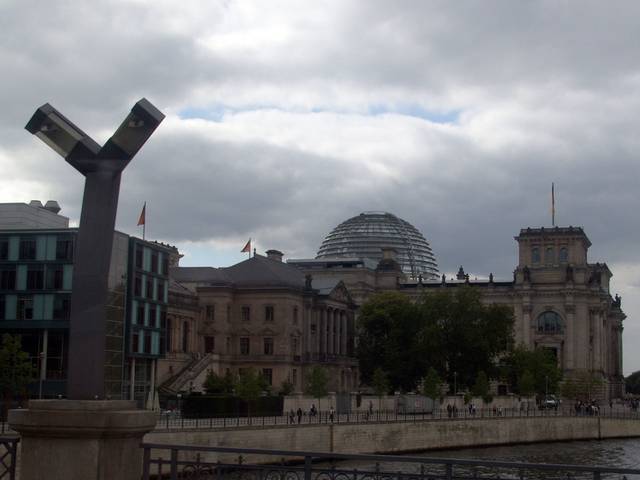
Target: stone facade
[264, 314]
[560, 300]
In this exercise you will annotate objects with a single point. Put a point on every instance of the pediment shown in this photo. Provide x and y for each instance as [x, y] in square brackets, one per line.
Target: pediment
[340, 293]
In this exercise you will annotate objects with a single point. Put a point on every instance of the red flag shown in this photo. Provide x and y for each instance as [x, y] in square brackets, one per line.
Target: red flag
[247, 247]
[141, 220]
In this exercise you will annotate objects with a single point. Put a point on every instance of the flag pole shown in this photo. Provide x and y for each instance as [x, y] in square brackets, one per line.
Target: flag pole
[553, 205]
[144, 225]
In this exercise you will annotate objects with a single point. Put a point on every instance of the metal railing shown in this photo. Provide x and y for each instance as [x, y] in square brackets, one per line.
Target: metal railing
[172, 421]
[208, 463]
[8, 457]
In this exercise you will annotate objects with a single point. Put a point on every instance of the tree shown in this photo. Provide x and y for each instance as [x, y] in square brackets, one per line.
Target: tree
[449, 331]
[316, 383]
[16, 369]
[632, 383]
[249, 387]
[526, 384]
[481, 387]
[286, 388]
[380, 384]
[431, 384]
[216, 385]
[587, 384]
[540, 363]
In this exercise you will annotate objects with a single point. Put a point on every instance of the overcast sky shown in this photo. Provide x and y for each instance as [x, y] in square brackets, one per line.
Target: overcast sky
[286, 118]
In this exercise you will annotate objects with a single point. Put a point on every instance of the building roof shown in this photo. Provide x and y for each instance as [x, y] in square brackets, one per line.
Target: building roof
[543, 232]
[255, 272]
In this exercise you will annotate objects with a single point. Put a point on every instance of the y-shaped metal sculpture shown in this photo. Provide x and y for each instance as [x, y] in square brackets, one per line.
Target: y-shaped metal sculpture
[102, 168]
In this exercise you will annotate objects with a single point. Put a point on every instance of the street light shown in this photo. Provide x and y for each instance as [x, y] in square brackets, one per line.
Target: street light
[102, 168]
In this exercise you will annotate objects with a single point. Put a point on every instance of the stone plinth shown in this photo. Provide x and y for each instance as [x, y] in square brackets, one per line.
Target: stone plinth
[81, 439]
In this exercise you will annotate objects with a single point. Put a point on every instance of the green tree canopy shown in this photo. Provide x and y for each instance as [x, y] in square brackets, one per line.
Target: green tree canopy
[526, 384]
[380, 382]
[249, 386]
[16, 369]
[316, 383]
[451, 331]
[584, 385]
[431, 384]
[481, 386]
[633, 383]
[216, 385]
[540, 363]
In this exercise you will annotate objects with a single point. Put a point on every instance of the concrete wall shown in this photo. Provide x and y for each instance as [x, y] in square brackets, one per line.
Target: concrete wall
[405, 437]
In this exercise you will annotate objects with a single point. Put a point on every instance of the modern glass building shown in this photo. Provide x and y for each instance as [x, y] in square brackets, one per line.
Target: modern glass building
[366, 235]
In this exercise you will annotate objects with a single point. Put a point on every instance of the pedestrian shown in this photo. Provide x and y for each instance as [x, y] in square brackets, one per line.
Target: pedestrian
[291, 416]
[449, 410]
[312, 411]
[370, 407]
[299, 412]
[331, 413]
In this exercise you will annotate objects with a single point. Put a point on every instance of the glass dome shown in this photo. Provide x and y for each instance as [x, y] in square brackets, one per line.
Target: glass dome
[365, 235]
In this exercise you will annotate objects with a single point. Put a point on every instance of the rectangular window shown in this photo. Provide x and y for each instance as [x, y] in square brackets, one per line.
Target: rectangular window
[244, 346]
[55, 277]
[3, 306]
[246, 314]
[160, 287]
[8, 277]
[165, 264]
[140, 316]
[4, 248]
[62, 307]
[25, 308]
[147, 342]
[154, 261]
[27, 249]
[137, 285]
[209, 344]
[267, 374]
[135, 341]
[152, 315]
[35, 277]
[64, 249]
[139, 253]
[268, 313]
[148, 293]
[268, 346]
[210, 312]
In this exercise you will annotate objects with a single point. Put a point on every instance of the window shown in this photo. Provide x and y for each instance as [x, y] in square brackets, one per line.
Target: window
[294, 345]
[152, 315]
[4, 249]
[564, 255]
[137, 286]
[147, 342]
[295, 315]
[550, 323]
[165, 264]
[268, 313]
[149, 288]
[25, 308]
[140, 315]
[55, 276]
[64, 249]
[267, 374]
[35, 277]
[2, 306]
[135, 342]
[535, 255]
[209, 344]
[268, 346]
[210, 311]
[246, 314]
[160, 287]
[139, 256]
[244, 345]
[8, 278]
[27, 249]
[62, 307]
[185, 337]
[154, 261]
[549, 255]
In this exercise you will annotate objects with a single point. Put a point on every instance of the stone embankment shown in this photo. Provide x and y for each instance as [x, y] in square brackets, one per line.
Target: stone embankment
[399, 437]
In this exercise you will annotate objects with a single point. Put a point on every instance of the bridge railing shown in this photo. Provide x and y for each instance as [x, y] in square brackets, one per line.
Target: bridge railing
[171, 421]
[8, 457]
[208, 463]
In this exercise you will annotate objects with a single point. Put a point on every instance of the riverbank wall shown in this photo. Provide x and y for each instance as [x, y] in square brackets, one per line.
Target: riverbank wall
[402, 437]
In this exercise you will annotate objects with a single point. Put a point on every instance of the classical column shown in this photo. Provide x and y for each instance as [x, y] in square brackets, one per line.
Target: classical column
[596, 332]
[569, 333]
[323, 330]
[526, 324]
[343, 326]
[330, 331]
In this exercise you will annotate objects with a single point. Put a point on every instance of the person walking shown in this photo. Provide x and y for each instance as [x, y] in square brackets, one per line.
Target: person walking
[299, 413]
[331, 413]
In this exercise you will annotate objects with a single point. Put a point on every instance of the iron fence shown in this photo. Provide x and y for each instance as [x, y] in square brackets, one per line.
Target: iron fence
[8, 457]
[208, 463]
[172, 421]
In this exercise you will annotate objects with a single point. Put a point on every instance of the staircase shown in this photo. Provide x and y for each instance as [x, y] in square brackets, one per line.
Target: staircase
[191, 371]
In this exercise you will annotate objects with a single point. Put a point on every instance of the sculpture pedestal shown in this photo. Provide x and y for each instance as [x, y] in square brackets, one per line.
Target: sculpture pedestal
[81, 439]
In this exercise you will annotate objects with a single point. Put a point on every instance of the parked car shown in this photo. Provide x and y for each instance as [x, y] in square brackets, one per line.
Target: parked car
[549, 402]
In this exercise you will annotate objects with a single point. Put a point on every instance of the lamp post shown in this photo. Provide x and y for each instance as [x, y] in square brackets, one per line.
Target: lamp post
[102, 168]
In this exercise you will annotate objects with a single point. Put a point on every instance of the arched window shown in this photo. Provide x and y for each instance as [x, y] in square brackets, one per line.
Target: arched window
[550, 323]
[564, 255]
[535, 255]
[548, 256]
